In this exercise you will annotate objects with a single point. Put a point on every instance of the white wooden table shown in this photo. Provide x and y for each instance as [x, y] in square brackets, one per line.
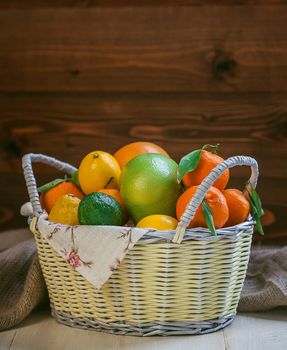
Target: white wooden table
[254, 331]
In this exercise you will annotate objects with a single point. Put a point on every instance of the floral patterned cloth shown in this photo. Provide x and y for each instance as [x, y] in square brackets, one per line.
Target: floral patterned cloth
[94, 251]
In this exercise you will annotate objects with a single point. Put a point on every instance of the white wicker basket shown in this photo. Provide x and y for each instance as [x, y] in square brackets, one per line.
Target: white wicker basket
[161, 287]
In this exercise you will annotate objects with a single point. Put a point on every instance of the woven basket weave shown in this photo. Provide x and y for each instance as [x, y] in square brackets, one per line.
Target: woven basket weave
[161, 287]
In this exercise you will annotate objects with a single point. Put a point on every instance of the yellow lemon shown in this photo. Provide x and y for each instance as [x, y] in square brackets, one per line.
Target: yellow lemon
[98, 170]
[159, 222]
[65, 210]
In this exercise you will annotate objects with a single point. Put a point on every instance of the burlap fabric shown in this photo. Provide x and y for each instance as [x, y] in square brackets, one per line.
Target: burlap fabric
[22, 285]
[265, 286]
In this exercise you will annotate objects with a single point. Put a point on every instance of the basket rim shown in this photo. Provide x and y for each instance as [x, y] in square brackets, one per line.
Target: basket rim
[197, 233]
[202, 233]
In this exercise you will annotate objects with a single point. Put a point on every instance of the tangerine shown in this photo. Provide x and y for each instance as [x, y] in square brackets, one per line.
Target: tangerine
[131, 150]
[49, 198]
[238, 206]
[214, 199]
[207, 162]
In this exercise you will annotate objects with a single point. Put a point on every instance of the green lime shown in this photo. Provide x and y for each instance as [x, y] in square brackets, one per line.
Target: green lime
[99, 209]
[149, 186]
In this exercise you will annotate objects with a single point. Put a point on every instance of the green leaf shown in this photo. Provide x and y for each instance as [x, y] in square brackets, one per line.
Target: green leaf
[75, 178]
[208, 216]
[256, 200]
[259, 225]
[188, 163]
[256, 217]
[256, 207]
[49, 185]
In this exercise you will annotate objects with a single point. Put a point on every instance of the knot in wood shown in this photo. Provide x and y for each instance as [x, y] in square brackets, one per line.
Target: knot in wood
[223, 64]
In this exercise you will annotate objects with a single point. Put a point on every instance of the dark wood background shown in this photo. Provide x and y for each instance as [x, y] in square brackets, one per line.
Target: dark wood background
[83, 75]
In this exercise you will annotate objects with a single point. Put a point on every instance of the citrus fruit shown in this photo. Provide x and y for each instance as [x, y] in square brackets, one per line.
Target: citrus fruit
[98, 170]
[159, 222]
[128, 152]
[65, 210]
[214, 199]
[100, 209]
[148, 185]
[49, 198]
[117, 196]
[238, 205]
[207, 162]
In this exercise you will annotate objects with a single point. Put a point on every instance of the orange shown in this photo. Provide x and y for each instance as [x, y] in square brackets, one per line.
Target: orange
[131, 150]
[49, 198]
[98, 170]
[117, 196]
[214, 199]
[238, 205]
[207, 162]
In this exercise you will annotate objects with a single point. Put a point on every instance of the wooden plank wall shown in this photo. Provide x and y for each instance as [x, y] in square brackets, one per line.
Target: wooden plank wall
[84, 75]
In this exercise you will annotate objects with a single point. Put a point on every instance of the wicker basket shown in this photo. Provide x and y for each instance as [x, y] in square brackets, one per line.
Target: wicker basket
[161, 287]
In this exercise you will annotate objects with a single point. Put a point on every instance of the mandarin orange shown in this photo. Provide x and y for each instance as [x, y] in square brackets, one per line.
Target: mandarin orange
[207, 162]
[238, 206]
[214, 199]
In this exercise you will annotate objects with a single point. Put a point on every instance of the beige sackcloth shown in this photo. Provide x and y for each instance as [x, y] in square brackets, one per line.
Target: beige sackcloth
[22, 286]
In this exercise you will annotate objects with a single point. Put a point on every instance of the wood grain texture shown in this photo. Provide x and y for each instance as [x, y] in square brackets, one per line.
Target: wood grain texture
[257, 331]
[266, 330]
[80, 75]
[166, 48]
[32, 4]
[179, 122]
[69, 125]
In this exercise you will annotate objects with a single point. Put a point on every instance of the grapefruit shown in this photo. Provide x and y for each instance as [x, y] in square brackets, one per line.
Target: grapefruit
[149, 185]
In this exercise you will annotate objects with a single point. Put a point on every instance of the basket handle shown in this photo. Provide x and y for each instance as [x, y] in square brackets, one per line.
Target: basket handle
[190, 210]
[31, 184]
[200, 193]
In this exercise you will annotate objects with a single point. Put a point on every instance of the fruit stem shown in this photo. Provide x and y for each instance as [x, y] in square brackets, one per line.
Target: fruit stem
[213, 148]
[95, 155]
[107, 184]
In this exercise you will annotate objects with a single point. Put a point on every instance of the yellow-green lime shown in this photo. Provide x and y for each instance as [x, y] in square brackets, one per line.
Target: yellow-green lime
[149, 185]
[99, 209]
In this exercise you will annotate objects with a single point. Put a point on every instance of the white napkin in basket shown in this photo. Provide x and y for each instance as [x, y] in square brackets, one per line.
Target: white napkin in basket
[93, 251]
